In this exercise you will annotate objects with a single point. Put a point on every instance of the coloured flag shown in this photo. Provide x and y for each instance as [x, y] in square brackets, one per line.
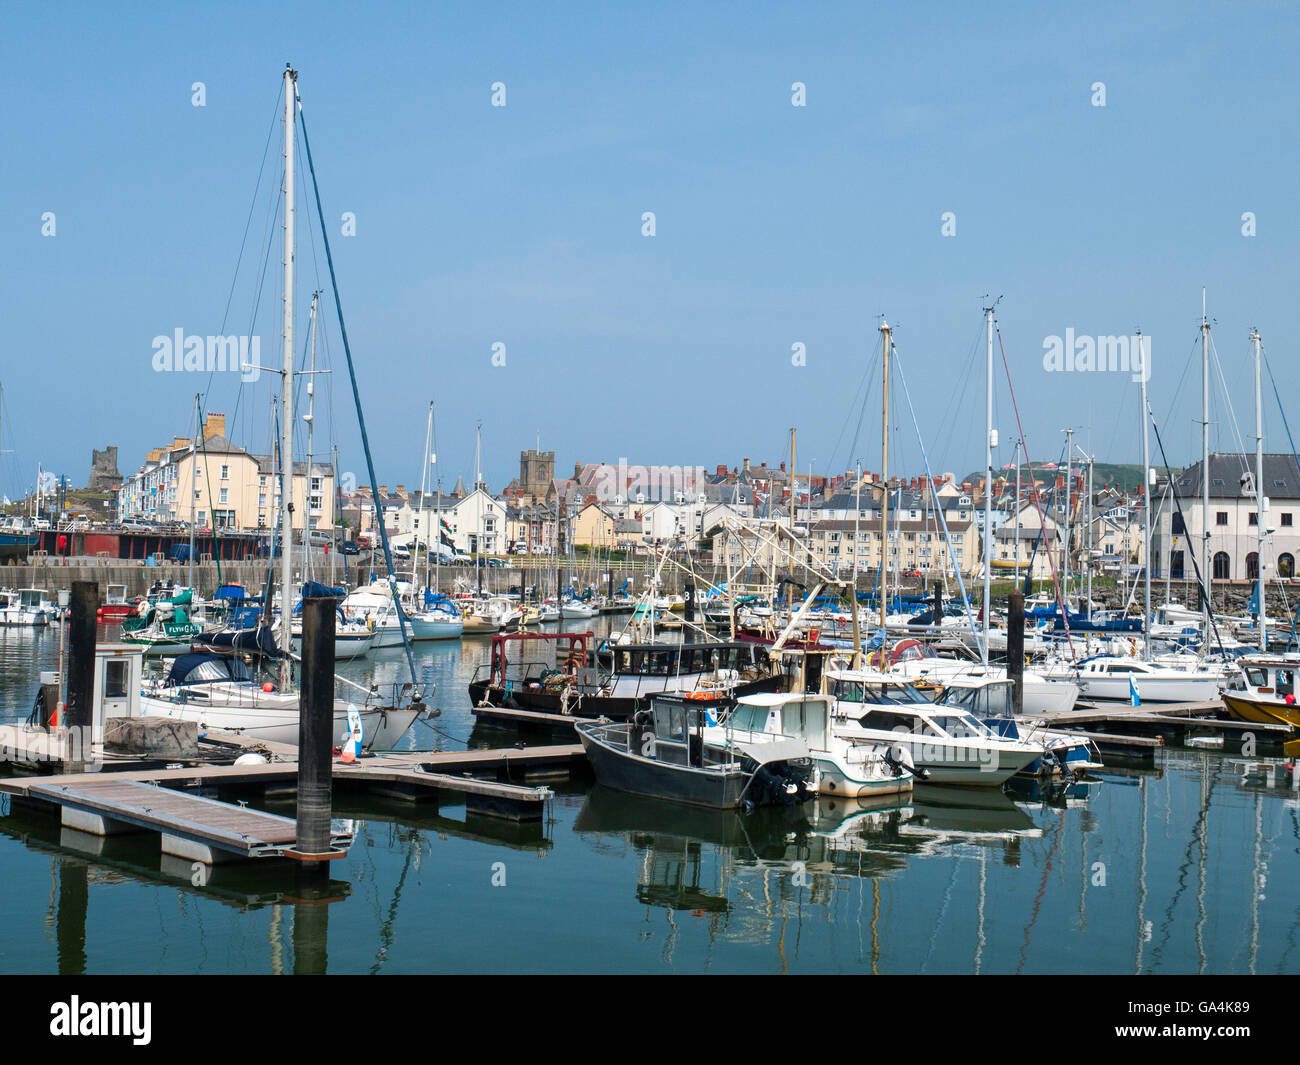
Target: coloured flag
[1134, 698]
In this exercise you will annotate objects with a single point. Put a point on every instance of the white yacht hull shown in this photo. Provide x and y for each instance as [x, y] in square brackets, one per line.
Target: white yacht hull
[381, 729]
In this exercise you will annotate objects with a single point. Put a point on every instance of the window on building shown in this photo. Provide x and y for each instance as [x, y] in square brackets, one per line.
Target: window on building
[1254, 518]
[1286, 519]
[1252, 566]
[1221, 517]
[225, 496]
[1221, 566]
[225, 473]
[1176, 564]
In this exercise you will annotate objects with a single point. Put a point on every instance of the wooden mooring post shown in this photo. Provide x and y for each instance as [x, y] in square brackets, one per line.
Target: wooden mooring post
[1016, 647]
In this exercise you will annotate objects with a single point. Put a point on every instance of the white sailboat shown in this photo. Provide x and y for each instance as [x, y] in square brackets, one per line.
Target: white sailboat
[215, 689]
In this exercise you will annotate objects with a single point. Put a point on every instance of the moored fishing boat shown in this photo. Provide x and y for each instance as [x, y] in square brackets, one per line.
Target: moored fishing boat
[618, 679]
[664, 754]
[1264, 690]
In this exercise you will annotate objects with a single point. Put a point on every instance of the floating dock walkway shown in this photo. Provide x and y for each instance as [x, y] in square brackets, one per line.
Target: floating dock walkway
[170, 799]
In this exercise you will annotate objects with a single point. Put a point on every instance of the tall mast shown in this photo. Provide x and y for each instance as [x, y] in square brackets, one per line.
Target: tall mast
[1148, 482]
[990, 439]
[1069, 514]
[478, 483]
[853, 562]
[1088, 541]
[1261, 504]
[286, 416]
[425, 463]
[1148, 477]
[310, 419]
[1016, 513]
[884, 481]
[1205, 469]
[194, 488]
[793, 557]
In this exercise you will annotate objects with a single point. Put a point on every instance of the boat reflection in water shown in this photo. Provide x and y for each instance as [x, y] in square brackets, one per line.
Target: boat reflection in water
[698, 859]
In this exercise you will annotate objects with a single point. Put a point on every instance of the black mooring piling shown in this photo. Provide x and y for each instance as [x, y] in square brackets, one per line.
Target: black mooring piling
[937, 619]
[79, 711]
[1016, 647]
[316, 735]
[689, 598]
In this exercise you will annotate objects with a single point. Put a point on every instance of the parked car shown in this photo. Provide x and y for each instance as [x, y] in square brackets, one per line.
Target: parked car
[350, 548]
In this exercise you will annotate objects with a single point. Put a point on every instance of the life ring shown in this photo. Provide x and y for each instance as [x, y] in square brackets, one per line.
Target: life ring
[571, 667]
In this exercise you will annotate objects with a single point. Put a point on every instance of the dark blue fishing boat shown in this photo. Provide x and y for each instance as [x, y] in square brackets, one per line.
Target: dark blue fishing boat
[662, 753]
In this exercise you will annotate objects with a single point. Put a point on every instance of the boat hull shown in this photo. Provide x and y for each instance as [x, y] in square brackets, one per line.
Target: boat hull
[1260, 712]
[643, 776]
[381, 729]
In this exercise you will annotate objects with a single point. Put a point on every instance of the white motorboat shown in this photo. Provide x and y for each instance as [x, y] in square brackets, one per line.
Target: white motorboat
[991, 698]
[1041, 696]
[14, 611]
[576, 608]
[1118, 678]
[949, 743]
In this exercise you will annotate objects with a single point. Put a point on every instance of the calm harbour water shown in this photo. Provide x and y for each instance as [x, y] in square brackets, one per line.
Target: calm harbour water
[1170, 870]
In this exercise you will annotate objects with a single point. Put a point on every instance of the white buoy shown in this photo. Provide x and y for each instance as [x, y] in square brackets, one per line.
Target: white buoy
[251, 759]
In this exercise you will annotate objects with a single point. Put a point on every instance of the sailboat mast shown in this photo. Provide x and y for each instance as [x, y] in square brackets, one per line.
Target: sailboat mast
[990, 437]
[478, 481]
[1261, 504]
[1069, 515]
[310, 419]
[194, 488]
[1206, 585]
[1016, 511]
[1148, 482]
[853, 563]
[424, 494]
[884, 481]
[286, 417]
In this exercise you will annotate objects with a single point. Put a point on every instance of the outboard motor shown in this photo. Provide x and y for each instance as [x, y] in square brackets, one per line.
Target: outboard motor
[899, 760]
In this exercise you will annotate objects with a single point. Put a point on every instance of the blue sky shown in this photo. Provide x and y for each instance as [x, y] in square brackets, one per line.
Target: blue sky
[775, 224]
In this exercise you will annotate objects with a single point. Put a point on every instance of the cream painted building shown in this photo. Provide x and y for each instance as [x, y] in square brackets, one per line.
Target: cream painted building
[219, 485]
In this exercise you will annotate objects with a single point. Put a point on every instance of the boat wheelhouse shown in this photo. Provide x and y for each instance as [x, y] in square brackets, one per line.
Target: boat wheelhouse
[840, 766]
[1264, 690]
[615, 681]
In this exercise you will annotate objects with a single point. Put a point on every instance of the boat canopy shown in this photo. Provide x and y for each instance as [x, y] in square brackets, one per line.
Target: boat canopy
[204, 667]
[316, 590]
[258, 640]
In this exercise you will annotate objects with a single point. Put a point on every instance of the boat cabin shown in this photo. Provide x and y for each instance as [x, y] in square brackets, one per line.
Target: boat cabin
[666, 660]
[802, 717]
[1268, 676]
[985, 697]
